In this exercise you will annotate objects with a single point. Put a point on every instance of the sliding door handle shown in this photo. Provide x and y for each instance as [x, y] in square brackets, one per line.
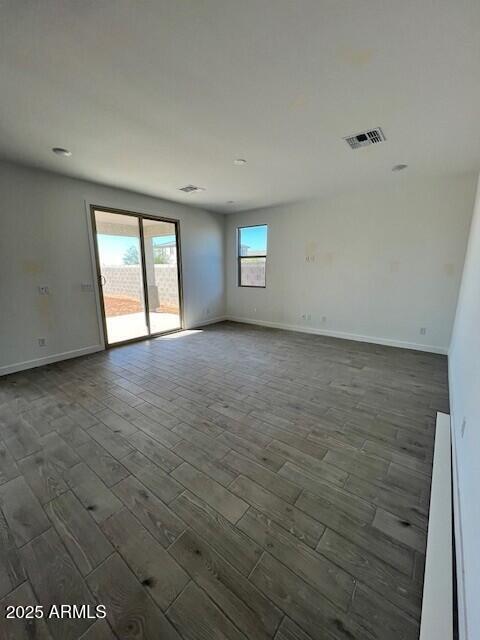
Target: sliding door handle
[102, 280]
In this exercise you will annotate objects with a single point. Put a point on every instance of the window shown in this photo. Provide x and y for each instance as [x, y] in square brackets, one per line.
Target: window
[252, 256]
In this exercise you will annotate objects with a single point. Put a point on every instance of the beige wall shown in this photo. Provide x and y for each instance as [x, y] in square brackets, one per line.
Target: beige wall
[464, 378]
[376, 265]
[44, 240]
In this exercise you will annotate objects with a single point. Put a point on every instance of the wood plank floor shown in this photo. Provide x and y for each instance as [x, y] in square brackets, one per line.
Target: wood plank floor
[234, 482]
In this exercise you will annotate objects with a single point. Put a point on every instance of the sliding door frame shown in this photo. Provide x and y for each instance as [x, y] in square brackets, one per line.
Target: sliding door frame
[140, 217]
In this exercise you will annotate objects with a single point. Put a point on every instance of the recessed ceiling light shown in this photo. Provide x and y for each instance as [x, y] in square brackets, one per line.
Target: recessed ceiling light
[60, 151]
[399, 167]
[240, 161]
[191, 188]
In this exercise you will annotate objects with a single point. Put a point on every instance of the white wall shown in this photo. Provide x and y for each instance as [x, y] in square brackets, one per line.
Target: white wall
[464, 375]
[382, 263]
[44, 240]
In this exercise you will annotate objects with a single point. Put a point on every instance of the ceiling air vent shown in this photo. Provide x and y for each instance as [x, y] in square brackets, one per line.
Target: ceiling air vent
[191, 188]
[364, 139]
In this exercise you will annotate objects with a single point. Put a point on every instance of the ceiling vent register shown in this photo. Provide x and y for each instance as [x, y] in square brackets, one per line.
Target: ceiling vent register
[366, 138]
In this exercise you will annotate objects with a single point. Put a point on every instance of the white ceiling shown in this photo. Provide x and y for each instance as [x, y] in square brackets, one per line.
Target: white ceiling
[151, 95]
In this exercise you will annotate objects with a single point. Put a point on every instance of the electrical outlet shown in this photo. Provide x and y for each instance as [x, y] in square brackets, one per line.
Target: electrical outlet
[464, 424]
[42, 342]
[423, 331]
[43, 290]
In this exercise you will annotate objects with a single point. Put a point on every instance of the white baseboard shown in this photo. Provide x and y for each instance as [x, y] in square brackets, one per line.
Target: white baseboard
[203, 323]
[66, 355]
[343, 335]
[437, 604]
[56, 357]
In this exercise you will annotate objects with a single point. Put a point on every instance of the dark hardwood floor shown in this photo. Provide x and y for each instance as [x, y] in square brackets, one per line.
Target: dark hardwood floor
[234, 482]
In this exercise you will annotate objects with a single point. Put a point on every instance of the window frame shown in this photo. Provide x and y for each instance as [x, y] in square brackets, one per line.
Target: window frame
[240, 257]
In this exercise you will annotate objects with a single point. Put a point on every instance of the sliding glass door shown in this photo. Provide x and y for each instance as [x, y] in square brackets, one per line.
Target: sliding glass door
[138, 271]
[161, 266]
